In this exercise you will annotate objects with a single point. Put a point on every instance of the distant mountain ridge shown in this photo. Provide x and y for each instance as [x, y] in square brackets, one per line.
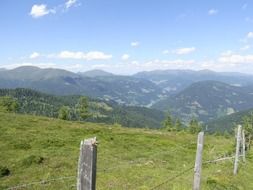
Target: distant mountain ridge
[176, 80]
[122, 89]
[208, 100]
[205, 94]
[95, 73]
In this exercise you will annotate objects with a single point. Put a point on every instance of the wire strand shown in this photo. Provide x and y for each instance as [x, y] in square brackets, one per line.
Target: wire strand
[39, 182]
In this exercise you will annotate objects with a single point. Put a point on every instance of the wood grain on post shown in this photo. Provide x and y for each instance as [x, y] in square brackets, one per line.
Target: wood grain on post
[86, 177]
[198, 162]
[237, 152]
[243, 146]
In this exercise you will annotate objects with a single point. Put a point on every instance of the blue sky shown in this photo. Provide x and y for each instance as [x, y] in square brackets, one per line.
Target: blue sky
[127, 36]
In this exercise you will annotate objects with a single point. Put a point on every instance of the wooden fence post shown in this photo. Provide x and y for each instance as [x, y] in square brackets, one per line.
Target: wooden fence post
[86, 177]
[238, 143]
[198, 162]
[243, 146]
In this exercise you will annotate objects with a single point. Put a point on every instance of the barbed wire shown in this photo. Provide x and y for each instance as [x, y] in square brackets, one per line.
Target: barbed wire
[172, 178]
[136, 161]
[190, 168]
[42, 182]
[219, 160]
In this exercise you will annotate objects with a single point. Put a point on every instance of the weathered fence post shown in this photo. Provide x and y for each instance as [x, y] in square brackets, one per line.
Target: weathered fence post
[86, 177]
[238, 142]
[243, 146]
[198, 162]
[248, 144]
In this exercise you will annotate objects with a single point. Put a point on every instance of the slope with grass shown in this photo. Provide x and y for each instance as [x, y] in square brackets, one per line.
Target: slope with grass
[37, 148]
[37, 103]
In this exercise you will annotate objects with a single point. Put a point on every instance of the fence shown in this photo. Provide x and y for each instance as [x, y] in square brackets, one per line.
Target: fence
[87, 168]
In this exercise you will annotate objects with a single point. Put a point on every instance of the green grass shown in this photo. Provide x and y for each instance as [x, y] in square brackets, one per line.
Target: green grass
[39, 148]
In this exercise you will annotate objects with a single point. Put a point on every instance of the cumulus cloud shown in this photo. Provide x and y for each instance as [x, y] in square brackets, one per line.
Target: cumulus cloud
[250, 35]
[246, 47]
[42, 10]
[39, 11]
[213, 12]
[125, 57]
[135, 44]
[34, 55]
[226, 53]
[184, 51]
[70, 3]
[236, 59]
[41, 65]
[93, 55]
[126, 68]
[165, 51]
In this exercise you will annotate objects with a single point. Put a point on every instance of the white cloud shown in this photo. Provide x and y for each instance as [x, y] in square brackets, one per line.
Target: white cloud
[41, 65]
[165, 51]
[135, 62]
[236, 59]
[134, 66]
[34, 55]
[135, 44]
[213, 12]
[39, 11]
[227, 53]
[250, 35]
[246, 47]
[183, 51]
[125, 57]
[70, 3]
[93, 55]
[42, 10]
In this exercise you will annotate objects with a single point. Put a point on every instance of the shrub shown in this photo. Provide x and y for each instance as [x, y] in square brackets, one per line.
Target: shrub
[4, 171]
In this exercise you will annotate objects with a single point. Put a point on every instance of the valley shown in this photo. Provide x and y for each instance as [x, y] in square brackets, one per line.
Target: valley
[142, 97]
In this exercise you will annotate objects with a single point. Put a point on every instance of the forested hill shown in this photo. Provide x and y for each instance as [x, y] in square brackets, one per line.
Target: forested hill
[229, 122]
[37, 103]
[208, 100]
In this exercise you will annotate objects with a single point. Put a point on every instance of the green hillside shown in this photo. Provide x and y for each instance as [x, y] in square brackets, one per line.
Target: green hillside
[39, 148]
[227, 123]
[37, 103]
[208, 100]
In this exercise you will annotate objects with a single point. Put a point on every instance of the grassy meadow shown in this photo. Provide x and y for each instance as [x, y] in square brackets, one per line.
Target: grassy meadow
[38, 148]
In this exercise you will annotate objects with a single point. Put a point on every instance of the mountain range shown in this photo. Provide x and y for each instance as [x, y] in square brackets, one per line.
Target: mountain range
[122, 89]
[205, 95]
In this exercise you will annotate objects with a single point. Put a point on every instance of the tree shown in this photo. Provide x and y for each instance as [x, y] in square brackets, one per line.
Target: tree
[64, 113]
[168, 123]
[8, 104]
[194, 126]
[82, 108]
[248, 127]
[247, 124]
[178, 125]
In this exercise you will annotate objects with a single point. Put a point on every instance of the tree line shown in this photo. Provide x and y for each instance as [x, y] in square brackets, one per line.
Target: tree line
[175, 124]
